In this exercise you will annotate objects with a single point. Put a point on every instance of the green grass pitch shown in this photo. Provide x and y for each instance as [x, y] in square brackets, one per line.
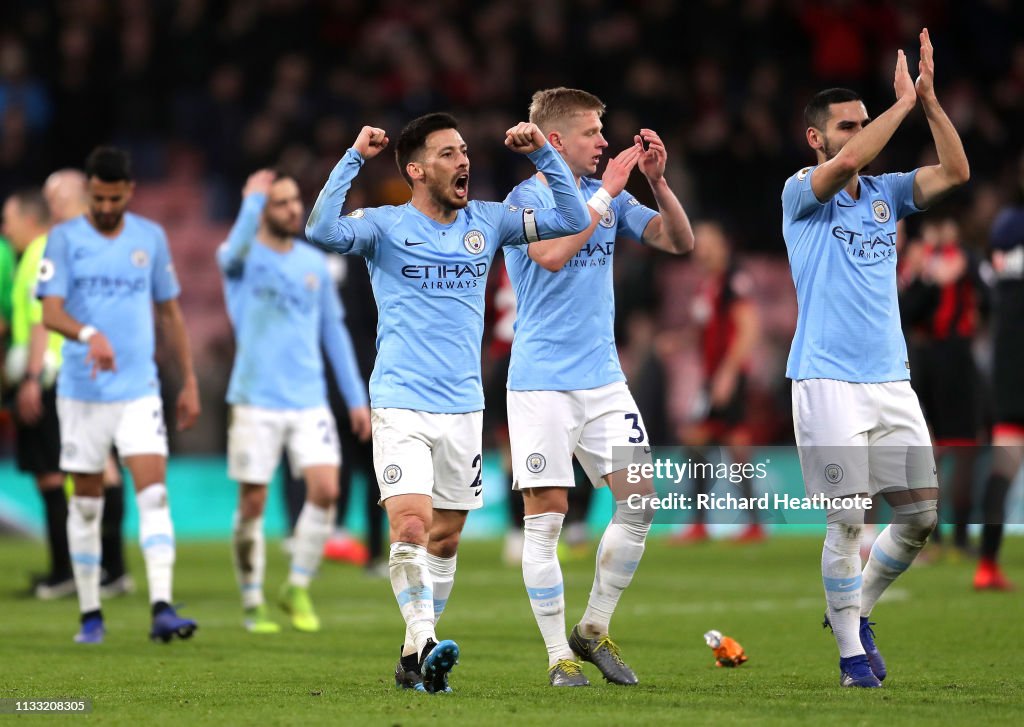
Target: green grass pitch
[954, 656]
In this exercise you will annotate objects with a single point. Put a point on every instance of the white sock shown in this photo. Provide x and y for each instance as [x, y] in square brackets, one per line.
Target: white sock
[895, 549]
[413, 588]
[84, 516]
[840, 574]
[442, 574]
[618, 556]
[312, 530]
[156, 535]
[250, 559]
[542, 576]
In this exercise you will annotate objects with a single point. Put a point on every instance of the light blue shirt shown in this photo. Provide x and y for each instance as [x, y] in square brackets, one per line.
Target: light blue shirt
[842, 254]
[564, 329]
[283, 306]
[429, 280]
[110, 284]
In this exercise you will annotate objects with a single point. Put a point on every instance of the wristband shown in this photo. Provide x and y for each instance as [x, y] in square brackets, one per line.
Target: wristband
[86, 333]
[601, 202]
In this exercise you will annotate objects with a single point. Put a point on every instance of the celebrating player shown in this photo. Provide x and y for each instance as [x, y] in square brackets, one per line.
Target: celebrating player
[278, 289]
[99, 280]
[568, 395]
[428, 262]
[858, 424]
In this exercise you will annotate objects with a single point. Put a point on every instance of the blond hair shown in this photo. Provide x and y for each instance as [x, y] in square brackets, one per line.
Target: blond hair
[558, 104]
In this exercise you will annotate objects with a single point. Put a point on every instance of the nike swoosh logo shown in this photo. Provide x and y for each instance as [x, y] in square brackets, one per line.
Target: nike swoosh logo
[478, 491]
[411, 244]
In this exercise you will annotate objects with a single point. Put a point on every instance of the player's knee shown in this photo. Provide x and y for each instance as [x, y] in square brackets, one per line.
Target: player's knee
[445, 546]
[539, 500]
[636, 511]
[917, 521]
[324, 496]
[253, 502]
[411, 529]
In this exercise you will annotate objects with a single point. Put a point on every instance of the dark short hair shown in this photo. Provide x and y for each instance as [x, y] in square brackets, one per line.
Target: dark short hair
[109, 164]
[280, 174]
[414, 137]
[816, 114]
[31, 202]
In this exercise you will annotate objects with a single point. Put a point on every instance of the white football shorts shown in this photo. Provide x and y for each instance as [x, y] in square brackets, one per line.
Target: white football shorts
[421, 453]
[88, 429]
[861, 438]
[602, 427]
[257, 437]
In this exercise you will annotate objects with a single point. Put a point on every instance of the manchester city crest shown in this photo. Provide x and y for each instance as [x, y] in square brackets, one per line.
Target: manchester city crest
[474, 241]
[536, 463]
[140, 258]
[880, 210]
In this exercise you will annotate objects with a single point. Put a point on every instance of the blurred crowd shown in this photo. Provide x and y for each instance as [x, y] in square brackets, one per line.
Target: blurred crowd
[251, 83]
[211, 90]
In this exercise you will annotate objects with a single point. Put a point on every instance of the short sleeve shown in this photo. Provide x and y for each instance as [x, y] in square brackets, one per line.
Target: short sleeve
[517, 216]
[798, 198]
[165, 279]
[900, 187]
[53, 276]
[633, 217]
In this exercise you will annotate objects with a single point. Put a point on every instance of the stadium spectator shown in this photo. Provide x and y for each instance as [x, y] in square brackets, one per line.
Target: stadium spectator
[942, 295]
[730, 329]
[1007, 241]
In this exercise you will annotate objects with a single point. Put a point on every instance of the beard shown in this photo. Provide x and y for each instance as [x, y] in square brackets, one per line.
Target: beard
[441, 193]
[283, 229]
[830, 153]
[107, 221]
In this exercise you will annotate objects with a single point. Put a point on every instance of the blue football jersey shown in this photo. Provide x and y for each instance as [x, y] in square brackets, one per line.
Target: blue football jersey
[283, 307]
[429, 280]
[564, 330]
[842, 254]
[110, 284]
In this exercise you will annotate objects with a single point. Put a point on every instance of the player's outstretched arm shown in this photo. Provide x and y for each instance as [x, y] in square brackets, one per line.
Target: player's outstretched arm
[254, 197]
[325, 226]
[553, 254]
[834, 174]
[570, 215]
[670, 231]
[172, 326]
[953, 169]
